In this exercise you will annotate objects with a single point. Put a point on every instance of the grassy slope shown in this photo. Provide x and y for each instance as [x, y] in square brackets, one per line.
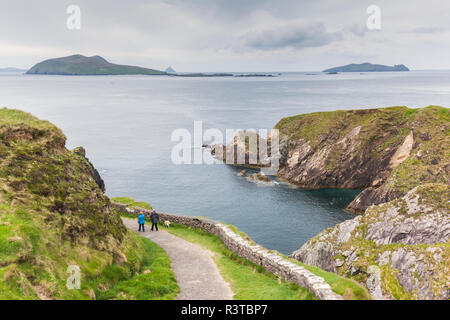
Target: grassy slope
[250, 281]
[314, 126]
[132, 203]
[426, 162]
[52, 215]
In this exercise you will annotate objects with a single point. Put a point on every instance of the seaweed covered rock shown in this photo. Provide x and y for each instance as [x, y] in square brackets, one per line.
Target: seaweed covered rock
[247, 149]
[399, 249]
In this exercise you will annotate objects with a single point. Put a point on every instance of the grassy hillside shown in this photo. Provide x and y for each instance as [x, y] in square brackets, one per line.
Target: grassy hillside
[53, 214]
[132, 203]
[81, 65]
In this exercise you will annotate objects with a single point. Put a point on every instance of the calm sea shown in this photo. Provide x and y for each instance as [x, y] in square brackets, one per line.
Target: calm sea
[125, 124]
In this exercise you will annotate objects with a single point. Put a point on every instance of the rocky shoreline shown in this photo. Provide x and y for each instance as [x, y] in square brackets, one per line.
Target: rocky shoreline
[399, 249]
[398, 246]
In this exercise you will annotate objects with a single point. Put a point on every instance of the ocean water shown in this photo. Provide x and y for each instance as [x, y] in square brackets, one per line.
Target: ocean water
[125, 123]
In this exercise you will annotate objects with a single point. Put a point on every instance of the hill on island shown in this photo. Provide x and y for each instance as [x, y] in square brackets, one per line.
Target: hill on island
[82, 65]
[367, 67]
[170, 70]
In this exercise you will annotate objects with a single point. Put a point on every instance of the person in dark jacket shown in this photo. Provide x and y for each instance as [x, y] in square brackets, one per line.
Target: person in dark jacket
[154, 217]
[141, 221]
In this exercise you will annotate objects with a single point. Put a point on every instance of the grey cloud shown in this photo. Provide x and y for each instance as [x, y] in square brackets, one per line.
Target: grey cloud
[216, 34]
[357, 30]
[428, 30]
[290, 36]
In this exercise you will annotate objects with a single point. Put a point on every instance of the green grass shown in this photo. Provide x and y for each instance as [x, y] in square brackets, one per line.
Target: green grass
[32, 256]
[347, 288]
[132, 203]
[155, 282]
[16, 117]
[247, 280]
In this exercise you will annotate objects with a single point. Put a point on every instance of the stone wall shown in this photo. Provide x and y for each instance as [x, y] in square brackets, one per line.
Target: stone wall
[270, 260]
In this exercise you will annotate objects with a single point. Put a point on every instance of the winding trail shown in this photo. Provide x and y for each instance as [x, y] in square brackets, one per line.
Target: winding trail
[195, 270]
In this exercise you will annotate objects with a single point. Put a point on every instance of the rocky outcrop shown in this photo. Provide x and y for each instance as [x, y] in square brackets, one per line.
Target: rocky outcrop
[400, 157]
[246, 149]
[386, 152]
[94, 173]
[399, 249]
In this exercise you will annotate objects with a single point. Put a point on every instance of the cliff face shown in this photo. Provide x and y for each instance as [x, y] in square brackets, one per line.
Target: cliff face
[400, 157]
[53, 214]
[399, 249]
[386, 152]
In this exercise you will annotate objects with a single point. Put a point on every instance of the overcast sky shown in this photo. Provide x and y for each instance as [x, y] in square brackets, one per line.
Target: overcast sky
[229, 35]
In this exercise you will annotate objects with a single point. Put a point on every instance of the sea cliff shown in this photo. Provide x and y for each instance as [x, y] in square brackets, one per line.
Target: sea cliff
[398, 245]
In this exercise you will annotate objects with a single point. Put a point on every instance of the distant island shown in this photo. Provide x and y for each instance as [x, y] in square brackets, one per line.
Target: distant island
[200, 75]
[82, 65]
[170, 70]
[12, 70]
[221, 74]
[367, 67]
[96, 66]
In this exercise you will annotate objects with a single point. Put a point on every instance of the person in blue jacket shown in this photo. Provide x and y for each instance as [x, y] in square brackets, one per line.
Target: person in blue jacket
[141, 221]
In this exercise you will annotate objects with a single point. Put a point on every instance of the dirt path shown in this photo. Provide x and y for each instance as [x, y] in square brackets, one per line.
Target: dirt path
[197, 274]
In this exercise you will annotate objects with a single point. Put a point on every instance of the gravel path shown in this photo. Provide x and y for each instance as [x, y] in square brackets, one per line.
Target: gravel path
[197, 274]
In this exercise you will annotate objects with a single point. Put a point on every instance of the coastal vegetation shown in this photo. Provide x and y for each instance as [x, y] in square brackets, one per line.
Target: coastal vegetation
[132, 203]
[53, 214]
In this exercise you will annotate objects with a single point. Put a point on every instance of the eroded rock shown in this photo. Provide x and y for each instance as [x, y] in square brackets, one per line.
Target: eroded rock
[419, 269]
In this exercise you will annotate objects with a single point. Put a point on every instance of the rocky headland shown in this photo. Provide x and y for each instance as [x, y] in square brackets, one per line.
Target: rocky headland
[400, 158]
